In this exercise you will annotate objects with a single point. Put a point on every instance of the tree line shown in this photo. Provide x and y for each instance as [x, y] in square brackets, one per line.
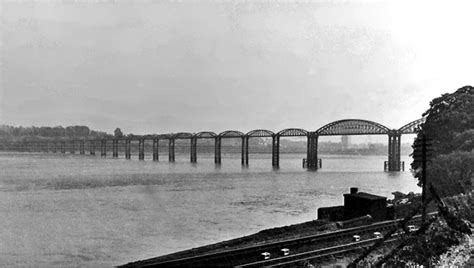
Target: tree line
[20, 132]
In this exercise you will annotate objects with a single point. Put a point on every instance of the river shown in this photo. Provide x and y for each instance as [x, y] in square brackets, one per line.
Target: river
[79, 210]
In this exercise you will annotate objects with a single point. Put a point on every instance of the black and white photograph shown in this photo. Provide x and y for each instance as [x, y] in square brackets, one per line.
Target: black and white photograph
[236, 133]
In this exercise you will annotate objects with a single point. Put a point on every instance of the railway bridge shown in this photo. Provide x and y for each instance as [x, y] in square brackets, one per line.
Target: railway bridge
[336, 128]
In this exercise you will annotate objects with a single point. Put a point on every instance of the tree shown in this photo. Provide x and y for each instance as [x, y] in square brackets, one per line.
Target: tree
[81, 131]
[118, 133]
[59, 131]
[46, 131]
[69, 132]
[450, 127]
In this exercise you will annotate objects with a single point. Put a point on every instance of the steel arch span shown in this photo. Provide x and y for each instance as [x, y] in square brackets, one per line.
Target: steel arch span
[353, 127]
[182, 135]
[205, 134]
[164, 136]
[411, 127]
[231, 134]
[292, 132]
[260, 133]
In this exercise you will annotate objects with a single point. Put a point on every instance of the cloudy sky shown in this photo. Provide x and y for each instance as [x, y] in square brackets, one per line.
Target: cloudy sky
[215, 65]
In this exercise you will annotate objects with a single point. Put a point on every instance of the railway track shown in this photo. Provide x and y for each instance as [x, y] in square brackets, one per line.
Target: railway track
[292, 260]
[276, 250]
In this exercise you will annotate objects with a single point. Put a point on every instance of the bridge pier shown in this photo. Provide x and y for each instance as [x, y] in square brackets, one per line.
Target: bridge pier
[171, 157]
[73, 145]
[92, 147]
[54, 148]
[103, 148]
[128, 149]
[115, 148]
[141, 149]
[394, 163]
[217, 150]
[275, 150]
[81, 147]
[193, 150]
[155, 149]
[63, 147]
[245, 151]
[312, 151]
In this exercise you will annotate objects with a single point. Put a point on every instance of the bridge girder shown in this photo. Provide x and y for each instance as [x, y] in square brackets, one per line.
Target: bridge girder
[411, 127]
[182, 135]
[164, 136]
[352, 127]
[231, 134]
[292, 132]
[260, 133]
[205, 134]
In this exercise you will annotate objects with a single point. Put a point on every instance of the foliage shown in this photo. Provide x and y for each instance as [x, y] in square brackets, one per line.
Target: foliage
[118, 133]
[450, 127]
[426, 248]
[16, 133]
[451, 173]
[450, 119]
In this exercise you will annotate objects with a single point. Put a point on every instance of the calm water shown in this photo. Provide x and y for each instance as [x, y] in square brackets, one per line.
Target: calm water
[73, 210]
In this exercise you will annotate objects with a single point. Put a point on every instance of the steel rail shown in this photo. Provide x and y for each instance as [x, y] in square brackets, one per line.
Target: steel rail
[313, 254]
[233, 253]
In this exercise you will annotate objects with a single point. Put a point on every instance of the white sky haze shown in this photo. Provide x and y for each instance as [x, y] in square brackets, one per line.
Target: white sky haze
[215, 65]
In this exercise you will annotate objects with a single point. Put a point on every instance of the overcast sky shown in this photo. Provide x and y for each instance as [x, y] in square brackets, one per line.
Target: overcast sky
[192, 66]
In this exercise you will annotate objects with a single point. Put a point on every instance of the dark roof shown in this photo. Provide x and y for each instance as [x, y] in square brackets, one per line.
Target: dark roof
[366, 196]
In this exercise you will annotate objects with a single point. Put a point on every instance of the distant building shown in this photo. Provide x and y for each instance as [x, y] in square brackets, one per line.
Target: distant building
[357, 204]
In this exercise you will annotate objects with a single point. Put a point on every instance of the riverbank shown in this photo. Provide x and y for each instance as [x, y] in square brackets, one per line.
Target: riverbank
[269, 236]
[403, 205]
